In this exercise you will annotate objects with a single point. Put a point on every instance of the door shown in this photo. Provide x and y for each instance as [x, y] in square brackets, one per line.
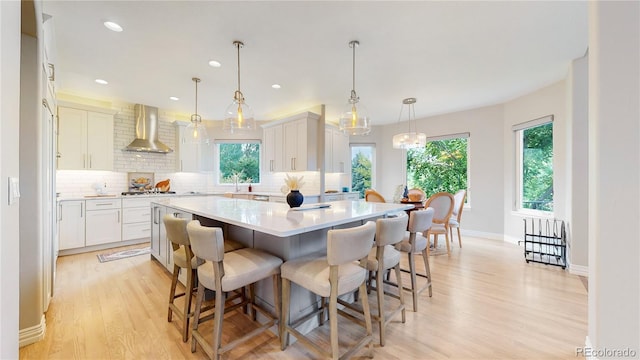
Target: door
[48, 201]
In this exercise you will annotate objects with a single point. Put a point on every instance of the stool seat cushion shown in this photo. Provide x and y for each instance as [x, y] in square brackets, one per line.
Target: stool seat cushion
[313, 274]
[180, 259]
[391, 258]
[241, 267]
[405, 246]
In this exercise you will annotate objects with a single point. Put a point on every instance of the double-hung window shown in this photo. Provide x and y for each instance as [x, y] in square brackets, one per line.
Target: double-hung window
[534, 165]
[238, 161]
[441, 165]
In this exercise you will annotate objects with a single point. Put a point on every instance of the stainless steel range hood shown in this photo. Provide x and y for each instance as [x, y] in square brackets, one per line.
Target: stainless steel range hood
[147, 131]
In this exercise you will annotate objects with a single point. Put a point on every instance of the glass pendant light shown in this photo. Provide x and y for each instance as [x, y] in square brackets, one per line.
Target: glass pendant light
[354, 120]
[411, 139]
[196, 132]
[238, 115]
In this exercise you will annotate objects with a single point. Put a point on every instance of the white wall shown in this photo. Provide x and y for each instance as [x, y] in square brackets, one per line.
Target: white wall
[9, 167]
[485, 161]
[614, 175]
[550, 100]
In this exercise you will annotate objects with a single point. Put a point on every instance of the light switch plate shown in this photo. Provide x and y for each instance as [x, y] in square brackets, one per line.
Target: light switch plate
[14, 189]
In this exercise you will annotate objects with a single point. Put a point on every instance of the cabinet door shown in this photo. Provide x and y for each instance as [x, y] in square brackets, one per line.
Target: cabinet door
[295, 145]
[99, 141]
[158, 235]
[72, 139]
[340, 151]
[103, 226]
[206, 157]
[328, 150]
[273, 149]
[71, 224]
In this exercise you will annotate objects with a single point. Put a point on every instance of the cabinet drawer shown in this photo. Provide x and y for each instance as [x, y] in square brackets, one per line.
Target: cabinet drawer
[136, 215]
[103, 204]
[351, 197]
[332, 197]
[133, 203]
[136, 231]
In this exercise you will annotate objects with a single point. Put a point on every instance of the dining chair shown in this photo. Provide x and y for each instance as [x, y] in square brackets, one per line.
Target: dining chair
[442, 204]
[225, 272]
[456, 215]
[183, 258]
[415, 243]
[371, 195]
[341, 271]
[416, 194]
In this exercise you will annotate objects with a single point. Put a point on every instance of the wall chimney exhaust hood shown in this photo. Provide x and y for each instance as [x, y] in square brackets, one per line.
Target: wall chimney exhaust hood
[147, 131]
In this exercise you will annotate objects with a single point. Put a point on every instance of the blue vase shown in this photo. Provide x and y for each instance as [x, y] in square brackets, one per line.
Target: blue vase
[295, 198]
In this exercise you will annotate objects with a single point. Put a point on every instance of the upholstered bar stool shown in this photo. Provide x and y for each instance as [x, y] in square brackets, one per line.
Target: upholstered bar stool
[415, 243]
[182, 259]
[330, 276]
[382, 258]
[226, 272]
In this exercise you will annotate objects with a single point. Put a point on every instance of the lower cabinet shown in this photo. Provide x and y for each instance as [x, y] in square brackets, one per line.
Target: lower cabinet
[161, 248]
[71, 224]
[103, 221]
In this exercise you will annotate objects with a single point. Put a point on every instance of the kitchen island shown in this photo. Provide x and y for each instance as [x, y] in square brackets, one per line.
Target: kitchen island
[272, 227]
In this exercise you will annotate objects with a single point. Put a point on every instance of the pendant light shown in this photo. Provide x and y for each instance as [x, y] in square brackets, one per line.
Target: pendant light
[411, 139]
[238, 115]
[354, 120]
[196, 132]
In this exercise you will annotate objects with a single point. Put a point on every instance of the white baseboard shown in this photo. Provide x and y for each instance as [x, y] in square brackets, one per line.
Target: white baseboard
[578, 270]
[512, 239]
[32, 334]
[480, 234]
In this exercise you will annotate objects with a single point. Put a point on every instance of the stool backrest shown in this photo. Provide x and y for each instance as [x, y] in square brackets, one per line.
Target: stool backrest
[351, 244]
[420, 220]
[176, 231]
[391, 230]
[207, 242]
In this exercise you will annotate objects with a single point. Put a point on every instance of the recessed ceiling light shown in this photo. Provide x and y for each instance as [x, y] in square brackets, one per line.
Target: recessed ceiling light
[174, 98]
[112, 26]
[214, 63]
[102, 82]
[276, 86]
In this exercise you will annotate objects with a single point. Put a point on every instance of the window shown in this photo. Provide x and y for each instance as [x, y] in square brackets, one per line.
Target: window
[362, 169]
[534, 165]
[238, 157]
[441, 165]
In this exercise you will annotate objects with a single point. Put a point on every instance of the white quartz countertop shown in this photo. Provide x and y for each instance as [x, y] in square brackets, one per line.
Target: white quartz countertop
[278, 219]
[140, 196]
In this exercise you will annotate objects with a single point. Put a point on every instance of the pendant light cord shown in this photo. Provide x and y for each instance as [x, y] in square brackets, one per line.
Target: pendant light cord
[353, 84]
[238, 48]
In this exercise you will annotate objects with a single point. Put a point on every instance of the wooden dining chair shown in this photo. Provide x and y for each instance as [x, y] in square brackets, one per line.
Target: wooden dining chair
[371, 195]
[442, 204]
[456, 216]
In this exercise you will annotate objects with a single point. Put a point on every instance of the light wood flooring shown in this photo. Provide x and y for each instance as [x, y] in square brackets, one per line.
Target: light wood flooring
[487, 304]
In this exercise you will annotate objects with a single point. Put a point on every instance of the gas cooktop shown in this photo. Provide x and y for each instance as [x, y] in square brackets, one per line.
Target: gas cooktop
[128, 193]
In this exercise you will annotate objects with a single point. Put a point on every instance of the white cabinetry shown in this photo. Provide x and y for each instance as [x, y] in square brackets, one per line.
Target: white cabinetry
[341, 196]
[85, 139]
[291, 144]
[71, 224]
[273, 149]
[103, 221]
[336, 150]
[192, 157]
[161, 248]
[136, 217]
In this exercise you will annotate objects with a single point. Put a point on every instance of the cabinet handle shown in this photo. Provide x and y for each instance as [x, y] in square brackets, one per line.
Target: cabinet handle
[90, 162]
[154, 219]
[81, 208]
[60, 212]
[103, 204]
[271, 165]
[118, 216]
[84, 161]
[52, 72]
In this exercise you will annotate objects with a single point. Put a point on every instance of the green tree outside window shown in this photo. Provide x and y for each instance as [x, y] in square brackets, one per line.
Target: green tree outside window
[537, 167]
[361, 171]
[242, 159]
[440, 166]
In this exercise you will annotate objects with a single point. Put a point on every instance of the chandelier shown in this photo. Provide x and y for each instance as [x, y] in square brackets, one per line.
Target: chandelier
[354, 120]
[196, 132]
[411, 139]
[238, 115]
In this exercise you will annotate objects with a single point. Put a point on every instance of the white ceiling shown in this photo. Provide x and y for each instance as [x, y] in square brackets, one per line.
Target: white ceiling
[449, 55]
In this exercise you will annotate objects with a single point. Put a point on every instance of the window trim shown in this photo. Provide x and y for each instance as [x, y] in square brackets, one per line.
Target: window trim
[518, 183]
[373, 161]
[216, 144]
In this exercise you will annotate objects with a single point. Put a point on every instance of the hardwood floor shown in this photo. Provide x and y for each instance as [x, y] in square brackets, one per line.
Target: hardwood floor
[487, 304]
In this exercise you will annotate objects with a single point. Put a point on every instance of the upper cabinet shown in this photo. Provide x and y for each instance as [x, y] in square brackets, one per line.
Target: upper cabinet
[192, 157]
[85, 139]
[337, 156]
[290, 144]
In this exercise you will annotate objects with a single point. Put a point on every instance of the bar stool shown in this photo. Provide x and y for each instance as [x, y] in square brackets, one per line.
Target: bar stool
[226, 272]
[177, 235]
[382, 258]
[416, 243]
[331, 276]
